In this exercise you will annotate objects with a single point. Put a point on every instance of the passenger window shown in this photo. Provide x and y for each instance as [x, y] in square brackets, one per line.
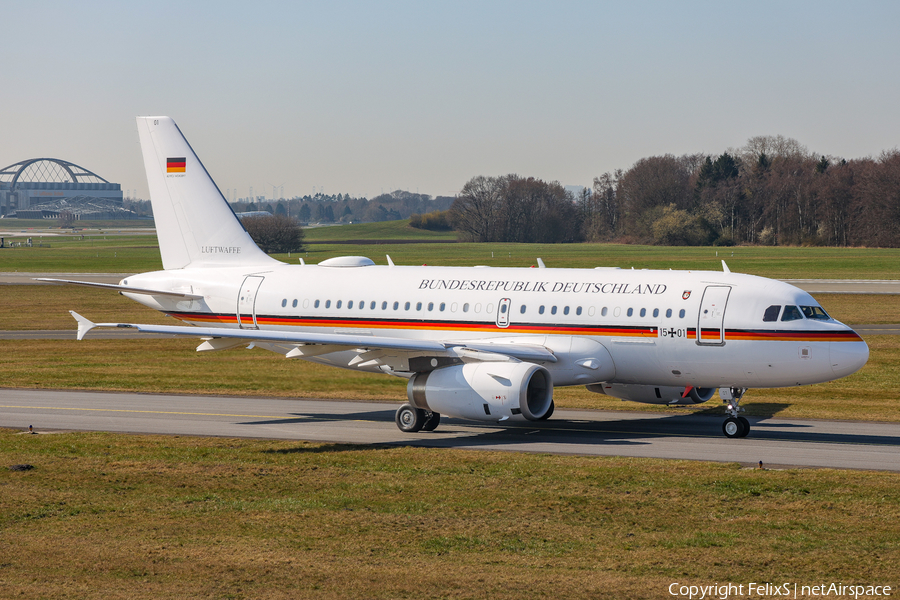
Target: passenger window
[791, 313]
[396, 305]
[541, 309]
[418, 306]
[478, 307]
[566, 310]
[603, 312]
[284, 303]
[349, 304]
[655, 312]
[578, 311]
[643, 312]
[771, 313]
[431, 306]
[338, 305]
[681, 314]
[372, 305]
[466, 307]
[316, 304]
[294, 303]
[384, 306]
[630, 312]
[443, 304]
[406, 306]
[522, 309]
[815, 312]
[328, 304]
[503, 309]
[668, 313]
[553, 310]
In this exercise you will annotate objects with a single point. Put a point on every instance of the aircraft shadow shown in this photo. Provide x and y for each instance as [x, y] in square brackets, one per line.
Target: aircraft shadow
[603, 431]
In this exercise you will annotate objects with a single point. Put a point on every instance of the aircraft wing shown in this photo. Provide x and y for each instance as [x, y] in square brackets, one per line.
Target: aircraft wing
[339, 341]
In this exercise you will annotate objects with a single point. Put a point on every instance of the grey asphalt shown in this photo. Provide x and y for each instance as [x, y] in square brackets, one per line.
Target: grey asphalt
[688, 436]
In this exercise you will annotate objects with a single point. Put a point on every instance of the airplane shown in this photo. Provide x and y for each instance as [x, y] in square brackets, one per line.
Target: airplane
[479, 343]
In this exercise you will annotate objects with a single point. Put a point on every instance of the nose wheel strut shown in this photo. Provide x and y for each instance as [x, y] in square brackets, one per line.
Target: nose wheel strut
[735, 426]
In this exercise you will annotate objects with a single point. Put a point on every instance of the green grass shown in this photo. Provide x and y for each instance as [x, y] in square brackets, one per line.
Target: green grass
[119, 516]
[385, 230]
[108, 252]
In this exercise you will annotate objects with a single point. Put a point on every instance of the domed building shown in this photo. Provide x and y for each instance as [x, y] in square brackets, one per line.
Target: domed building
[42, 188]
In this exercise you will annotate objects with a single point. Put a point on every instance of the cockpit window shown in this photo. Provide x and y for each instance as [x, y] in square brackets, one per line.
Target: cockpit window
[771, 313]
[815, 312]
[791, 313]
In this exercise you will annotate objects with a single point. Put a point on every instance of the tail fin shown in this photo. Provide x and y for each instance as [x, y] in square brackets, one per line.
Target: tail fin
[194, 223]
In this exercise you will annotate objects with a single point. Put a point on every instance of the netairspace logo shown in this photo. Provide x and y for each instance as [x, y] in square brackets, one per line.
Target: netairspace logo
[777, 590]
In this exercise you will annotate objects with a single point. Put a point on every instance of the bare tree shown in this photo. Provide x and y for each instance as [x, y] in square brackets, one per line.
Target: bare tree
[278, 233]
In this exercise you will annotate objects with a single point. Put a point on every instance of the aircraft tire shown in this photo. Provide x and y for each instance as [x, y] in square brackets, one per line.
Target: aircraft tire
[732, 428]
[410, 419]
[745, 425]
[432, 420]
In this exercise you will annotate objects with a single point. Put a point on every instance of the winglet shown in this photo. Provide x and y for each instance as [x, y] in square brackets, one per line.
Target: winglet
[725, 267]
[84, 325]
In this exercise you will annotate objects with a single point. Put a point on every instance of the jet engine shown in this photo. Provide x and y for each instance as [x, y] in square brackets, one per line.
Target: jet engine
[651, 394]
[485, 391]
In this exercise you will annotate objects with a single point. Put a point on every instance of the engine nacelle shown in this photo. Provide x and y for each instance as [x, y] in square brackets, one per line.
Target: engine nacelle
[484, 391]
[652, 394]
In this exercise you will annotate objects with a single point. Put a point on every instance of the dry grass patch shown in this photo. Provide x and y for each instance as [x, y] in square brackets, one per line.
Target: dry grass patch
[172, 366]
[107, 515]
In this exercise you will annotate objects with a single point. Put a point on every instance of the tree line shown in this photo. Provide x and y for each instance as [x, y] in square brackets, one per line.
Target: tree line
[771, 191]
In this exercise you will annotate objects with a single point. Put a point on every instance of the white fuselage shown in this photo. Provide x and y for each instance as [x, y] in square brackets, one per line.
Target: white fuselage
[603, 325]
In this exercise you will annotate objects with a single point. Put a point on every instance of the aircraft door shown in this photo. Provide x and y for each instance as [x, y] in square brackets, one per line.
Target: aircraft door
[503, 313]
[246, 304]
[711, 321]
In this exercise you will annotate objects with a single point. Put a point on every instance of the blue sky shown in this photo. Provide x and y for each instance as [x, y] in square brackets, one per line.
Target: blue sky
[360, 97]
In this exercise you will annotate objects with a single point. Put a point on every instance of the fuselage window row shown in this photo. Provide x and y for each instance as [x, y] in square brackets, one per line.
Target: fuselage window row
[771, 314]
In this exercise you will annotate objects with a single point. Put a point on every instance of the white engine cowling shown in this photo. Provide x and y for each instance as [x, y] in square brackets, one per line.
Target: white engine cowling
[484, 391]
[653, 394]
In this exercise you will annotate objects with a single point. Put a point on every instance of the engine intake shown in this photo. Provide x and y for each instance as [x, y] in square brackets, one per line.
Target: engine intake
[484, 391]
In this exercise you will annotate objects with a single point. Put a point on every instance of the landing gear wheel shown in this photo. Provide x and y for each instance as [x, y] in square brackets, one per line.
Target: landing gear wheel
[746, 426]
[410, 419]
[432, 419]
[733, 428]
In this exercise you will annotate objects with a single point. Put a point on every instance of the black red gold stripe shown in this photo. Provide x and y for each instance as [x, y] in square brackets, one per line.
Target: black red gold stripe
[520, 328]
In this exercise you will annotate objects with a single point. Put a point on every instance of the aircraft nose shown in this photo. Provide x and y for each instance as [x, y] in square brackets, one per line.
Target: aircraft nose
[848, 357]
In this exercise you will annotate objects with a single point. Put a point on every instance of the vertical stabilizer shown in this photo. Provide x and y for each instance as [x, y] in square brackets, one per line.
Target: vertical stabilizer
[194, 223]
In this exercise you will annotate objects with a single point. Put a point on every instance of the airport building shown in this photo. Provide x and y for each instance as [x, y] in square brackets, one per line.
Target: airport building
[42, 188]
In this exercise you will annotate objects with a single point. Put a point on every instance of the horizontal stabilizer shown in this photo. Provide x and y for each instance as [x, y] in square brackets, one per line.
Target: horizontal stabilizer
[123, 288]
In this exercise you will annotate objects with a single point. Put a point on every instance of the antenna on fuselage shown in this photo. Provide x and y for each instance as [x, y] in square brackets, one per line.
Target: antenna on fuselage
[725, 267]
[541, 264]
[390, 262]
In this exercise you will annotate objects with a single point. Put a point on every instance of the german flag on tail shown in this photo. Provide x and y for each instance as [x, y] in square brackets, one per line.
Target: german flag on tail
[175, 165]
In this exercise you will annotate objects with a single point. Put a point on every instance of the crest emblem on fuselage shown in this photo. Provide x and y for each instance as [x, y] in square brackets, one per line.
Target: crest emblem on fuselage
[686, 294]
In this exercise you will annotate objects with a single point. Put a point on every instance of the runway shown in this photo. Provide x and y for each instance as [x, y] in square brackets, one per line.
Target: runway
[775, 442]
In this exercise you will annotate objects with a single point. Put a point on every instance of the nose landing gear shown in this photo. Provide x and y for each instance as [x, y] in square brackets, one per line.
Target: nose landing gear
[735, 426]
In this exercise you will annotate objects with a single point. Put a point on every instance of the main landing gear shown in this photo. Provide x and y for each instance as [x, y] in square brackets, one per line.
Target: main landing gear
[411, 419]
[735, 426]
